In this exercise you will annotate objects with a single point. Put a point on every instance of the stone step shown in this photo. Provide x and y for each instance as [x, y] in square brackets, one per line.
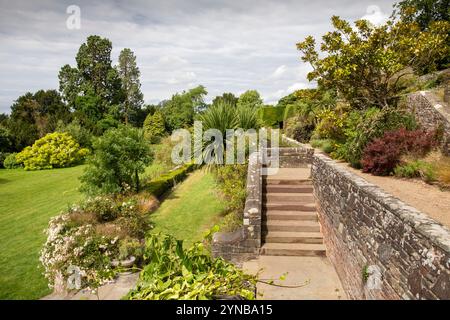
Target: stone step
[279, 188]
[288, 197]
[293, 249]
[271, 180]
[292, 237]
[289, 206]
[290, 215]
[291, 226]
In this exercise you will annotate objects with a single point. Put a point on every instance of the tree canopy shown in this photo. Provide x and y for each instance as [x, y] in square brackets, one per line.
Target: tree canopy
[129, 74]
[365, 63]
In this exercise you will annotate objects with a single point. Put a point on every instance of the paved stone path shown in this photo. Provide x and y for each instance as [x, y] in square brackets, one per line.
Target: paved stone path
[111, 291]
[309, 267]
[322, 282]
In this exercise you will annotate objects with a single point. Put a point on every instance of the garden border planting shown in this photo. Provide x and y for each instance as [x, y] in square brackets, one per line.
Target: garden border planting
[244, 243]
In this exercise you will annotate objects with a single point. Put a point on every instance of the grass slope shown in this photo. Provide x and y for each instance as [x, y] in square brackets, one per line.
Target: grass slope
[191, 208]
[27, 201]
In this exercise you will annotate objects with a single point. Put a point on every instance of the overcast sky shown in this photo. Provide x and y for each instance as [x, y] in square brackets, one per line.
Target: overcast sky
[227, 46]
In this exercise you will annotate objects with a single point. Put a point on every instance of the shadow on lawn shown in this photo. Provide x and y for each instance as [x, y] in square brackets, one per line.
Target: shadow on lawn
[4, 181]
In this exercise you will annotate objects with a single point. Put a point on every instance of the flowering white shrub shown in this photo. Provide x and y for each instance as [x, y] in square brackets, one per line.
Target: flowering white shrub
[86, 240]
[78, 247]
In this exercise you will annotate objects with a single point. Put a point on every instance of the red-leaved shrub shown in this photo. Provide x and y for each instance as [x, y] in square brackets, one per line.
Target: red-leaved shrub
[382, 155]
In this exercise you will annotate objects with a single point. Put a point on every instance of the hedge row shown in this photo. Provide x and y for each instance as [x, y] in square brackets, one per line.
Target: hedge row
[166, 181]
[271, 116]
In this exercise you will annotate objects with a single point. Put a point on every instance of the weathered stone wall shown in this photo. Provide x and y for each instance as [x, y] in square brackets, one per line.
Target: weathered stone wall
[244, 243]
[293, 157]
[403, 253]
[431, 114]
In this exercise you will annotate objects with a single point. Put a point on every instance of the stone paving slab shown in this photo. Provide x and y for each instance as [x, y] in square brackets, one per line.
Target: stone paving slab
[323, 282]
[291, 174]
[110, 291]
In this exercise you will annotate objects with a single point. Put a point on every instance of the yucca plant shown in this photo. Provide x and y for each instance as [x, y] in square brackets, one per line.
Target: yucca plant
[223, 116]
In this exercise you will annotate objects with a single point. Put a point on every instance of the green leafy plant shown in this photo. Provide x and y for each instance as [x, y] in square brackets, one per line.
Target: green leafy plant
[154, 128]
[232, 183]
[55, 150]
[365, 273]
[175, 273]
[365, 62]
[119, 157]
[373, 124]
[10, 161]
[416, 169]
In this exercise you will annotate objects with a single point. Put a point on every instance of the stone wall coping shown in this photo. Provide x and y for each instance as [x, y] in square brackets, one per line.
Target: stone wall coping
[431, 229]
[293, 141]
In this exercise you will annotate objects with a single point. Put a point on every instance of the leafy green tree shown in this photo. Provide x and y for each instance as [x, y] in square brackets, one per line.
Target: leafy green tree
[425, 12]
[250, 98]
[6, 140]
[180, 110]
[35, 115]
[228, 98]
[154, 127]
[366, 63]
[119, 156]
[129, 74]
[78, 132]
[94, 86]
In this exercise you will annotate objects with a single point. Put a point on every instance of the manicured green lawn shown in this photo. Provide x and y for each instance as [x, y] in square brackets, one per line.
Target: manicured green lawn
[27, 201]
[192, 208]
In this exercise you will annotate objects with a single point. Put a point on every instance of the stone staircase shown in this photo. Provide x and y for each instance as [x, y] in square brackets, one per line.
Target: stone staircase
[290, 226]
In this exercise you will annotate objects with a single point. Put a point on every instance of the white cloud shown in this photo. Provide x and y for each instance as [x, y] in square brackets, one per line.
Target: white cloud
[183, 77]
[225, 45]
[375, 15]
[281, 70]
[296, 86]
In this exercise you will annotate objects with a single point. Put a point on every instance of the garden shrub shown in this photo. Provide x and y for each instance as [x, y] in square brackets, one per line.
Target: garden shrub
[382, 155]
[326, 145]
[297, 129]
[3, 156]
[415, 169]
[154, 127]
[119, 157]
[10, 161]
[175, 273]
[164, 183]
[82, 135]
[91, 237]
[373, 124]
[331, 124]
[232, 183]
[441, 167]
[55, 150]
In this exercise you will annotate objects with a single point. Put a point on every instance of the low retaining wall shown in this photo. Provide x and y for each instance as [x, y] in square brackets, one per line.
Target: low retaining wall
[244, 243]
[380, 247]
[431, 115]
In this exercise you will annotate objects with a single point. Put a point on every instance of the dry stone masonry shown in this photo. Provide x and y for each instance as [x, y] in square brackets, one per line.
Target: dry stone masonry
[380, 247]
[431, 115]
